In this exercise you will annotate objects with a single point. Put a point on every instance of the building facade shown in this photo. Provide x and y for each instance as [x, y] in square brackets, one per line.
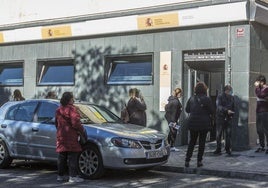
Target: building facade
[100, 50]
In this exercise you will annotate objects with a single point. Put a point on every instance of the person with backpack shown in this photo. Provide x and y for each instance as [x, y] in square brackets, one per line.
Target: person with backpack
[173, 110]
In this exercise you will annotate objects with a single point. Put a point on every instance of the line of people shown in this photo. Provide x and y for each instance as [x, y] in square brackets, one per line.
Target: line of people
[199, 122]
[200, 109]
[17, 96]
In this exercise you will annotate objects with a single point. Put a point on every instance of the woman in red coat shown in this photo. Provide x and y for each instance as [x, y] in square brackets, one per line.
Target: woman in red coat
[68, 124]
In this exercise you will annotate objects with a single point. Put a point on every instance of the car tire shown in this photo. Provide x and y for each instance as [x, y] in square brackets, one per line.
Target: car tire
[5, 159]
[90, 163]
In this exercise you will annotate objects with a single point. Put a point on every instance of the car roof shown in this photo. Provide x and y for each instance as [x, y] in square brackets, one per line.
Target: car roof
[57, 101]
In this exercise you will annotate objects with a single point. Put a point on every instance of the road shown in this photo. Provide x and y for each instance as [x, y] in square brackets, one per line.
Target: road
[31, 175]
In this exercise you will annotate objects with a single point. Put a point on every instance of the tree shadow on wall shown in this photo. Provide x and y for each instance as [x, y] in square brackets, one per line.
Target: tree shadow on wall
[90, 80]
[240, 138]
[43, 93]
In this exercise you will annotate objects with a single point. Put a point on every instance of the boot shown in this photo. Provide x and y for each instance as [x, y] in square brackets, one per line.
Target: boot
[217, 151]
[187, 164]
[199, 163]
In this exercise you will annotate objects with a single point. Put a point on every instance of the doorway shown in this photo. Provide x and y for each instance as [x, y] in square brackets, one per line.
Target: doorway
[206, 66]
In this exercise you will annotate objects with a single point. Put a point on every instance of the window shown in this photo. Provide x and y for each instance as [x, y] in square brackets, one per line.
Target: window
[46, 112]
[55, 72]
[95, 114]
[11, 74]
[12, 112]
[22, 112]
[135, 69]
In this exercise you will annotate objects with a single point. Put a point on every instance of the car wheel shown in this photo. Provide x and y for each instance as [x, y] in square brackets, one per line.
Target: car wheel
[90, 163]
[5, 159]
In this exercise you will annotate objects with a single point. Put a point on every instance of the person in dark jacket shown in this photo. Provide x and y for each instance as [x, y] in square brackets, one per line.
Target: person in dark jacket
[224, 114]
[261, 91]
[200, 110]
[51, 95]
[136, 108]
[173, 110]
[67, 145]
[17, 95]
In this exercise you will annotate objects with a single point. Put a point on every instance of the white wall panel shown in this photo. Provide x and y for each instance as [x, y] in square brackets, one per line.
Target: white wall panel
[18, 11]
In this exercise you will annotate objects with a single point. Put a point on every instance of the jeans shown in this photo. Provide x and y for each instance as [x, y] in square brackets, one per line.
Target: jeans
[225, 126]
[201, 148]
[172, 136]
[262, 127]
[68, 159]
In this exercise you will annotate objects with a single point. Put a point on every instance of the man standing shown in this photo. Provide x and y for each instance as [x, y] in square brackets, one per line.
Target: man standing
[224, 114]
[261, 92]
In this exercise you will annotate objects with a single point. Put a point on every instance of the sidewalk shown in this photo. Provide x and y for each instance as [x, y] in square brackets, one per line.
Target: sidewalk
[242, 164]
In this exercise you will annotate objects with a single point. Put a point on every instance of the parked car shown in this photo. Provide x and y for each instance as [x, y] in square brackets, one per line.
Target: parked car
[27, 131]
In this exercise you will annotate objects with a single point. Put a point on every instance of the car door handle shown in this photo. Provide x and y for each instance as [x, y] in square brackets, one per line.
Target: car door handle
[35, 129]
[3, 125]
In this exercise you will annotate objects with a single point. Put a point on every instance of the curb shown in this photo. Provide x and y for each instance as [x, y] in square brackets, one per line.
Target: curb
[220, 173]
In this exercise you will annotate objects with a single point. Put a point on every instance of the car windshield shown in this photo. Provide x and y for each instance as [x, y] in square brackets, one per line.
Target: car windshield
[96, 114]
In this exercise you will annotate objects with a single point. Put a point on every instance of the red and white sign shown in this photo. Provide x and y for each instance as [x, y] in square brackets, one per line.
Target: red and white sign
[240, 32]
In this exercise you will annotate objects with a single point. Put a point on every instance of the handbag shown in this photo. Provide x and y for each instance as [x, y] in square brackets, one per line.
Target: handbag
[185, 122]
[82, 137]
[125, 115]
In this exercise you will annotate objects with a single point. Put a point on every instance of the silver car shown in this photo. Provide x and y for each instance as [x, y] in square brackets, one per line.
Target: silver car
[27, 131]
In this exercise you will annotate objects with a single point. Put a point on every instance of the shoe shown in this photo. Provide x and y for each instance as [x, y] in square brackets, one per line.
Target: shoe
[75, 180]
[259, 150]
[174, 149]
[62, 178]
[199, 163]
[217, 152]
[187, 164]
[228, 152]
[266, 152]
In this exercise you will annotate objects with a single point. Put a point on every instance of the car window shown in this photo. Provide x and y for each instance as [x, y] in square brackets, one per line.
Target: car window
[96, 114]
[104, 113]
[46, 112]
[22, 112]
[12, 112]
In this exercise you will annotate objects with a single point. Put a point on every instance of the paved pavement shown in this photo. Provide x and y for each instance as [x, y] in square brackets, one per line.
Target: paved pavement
[243, 164]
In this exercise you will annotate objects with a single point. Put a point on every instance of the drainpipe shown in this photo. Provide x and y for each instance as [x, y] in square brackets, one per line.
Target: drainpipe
[229, 68]
[189, 83]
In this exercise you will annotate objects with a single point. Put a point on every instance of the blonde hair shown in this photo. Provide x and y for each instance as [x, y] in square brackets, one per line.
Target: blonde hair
[177, 91]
